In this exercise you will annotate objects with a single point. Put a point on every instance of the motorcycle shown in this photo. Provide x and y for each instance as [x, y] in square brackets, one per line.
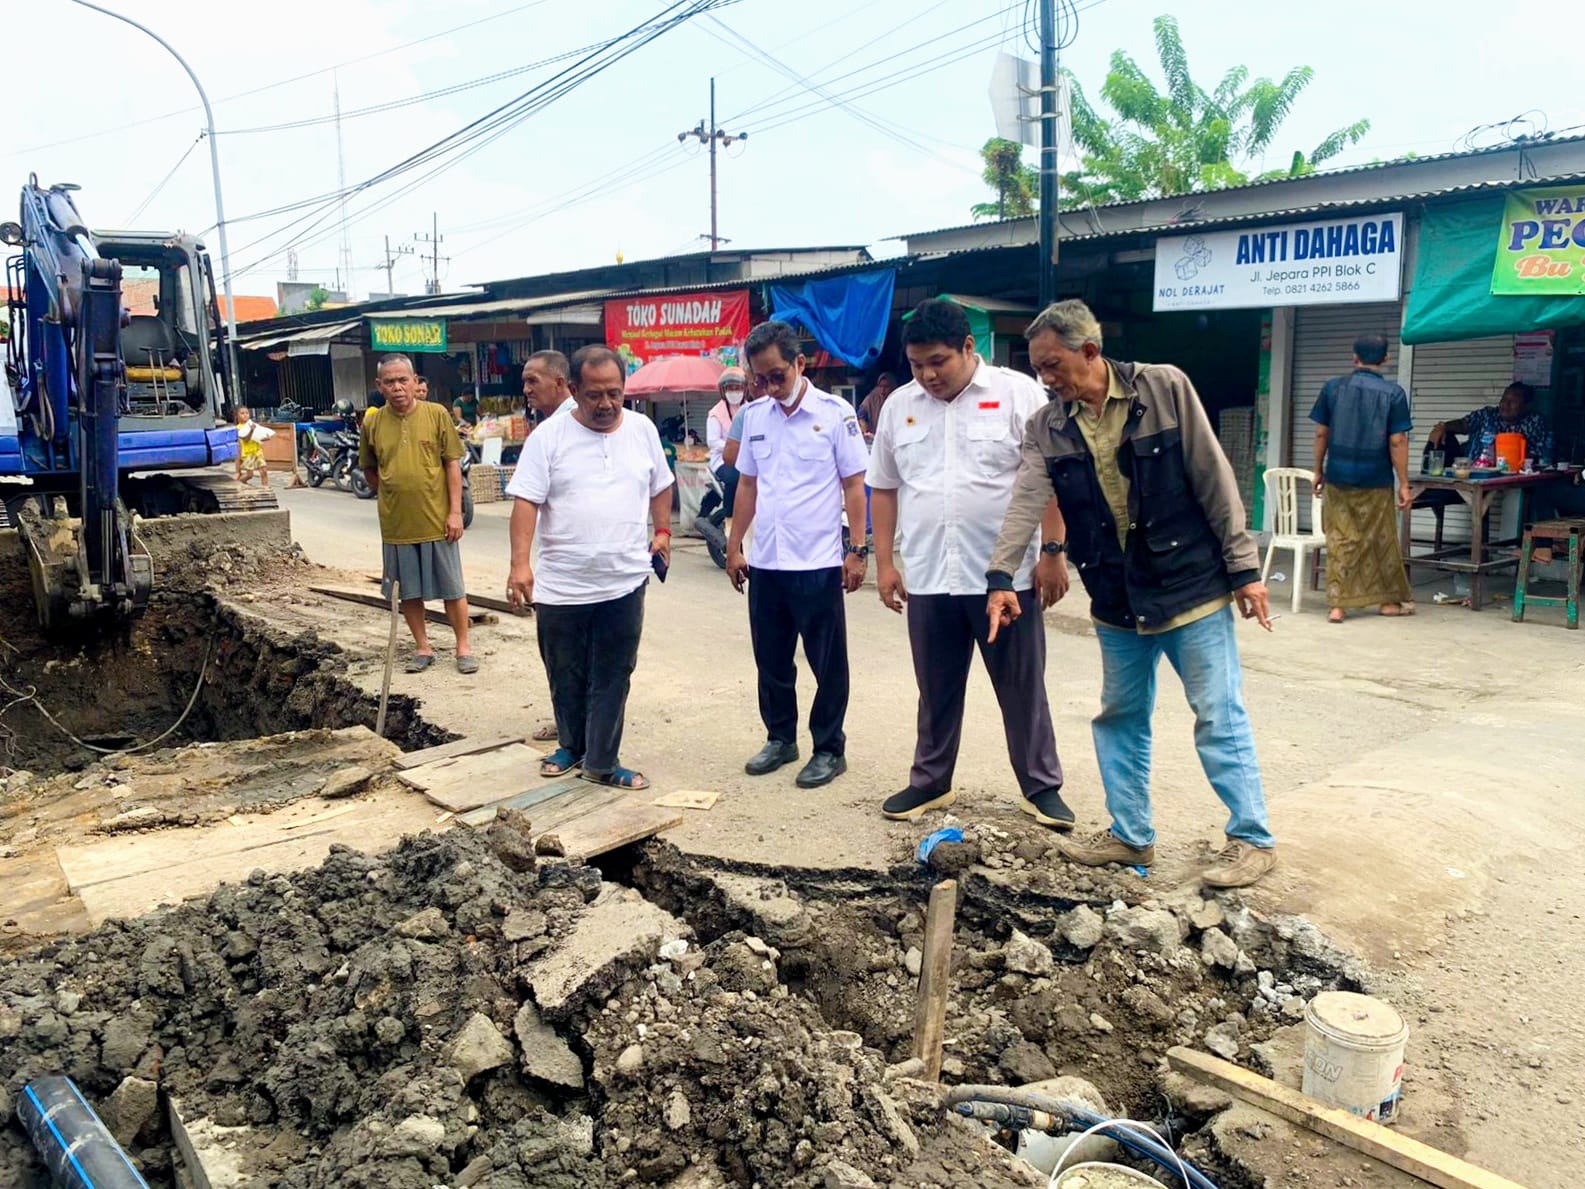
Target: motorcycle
[344, 471]
[320, 461]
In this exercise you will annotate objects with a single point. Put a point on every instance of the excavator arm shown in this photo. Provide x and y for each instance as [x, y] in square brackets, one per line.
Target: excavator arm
[73, 390]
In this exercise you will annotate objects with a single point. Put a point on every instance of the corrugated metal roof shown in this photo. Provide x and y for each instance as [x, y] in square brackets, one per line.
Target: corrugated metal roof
[509, 305]
[1282, 181]
[1187, 227]
[326, 332]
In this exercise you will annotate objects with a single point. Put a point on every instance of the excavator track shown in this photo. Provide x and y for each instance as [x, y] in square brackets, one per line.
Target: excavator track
[217, 493]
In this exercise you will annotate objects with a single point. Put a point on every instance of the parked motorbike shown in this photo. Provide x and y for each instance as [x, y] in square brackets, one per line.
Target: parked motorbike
[320, 461]
[345, 464]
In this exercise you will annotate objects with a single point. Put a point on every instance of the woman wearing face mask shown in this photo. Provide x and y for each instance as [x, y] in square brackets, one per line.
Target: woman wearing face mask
[732, 386]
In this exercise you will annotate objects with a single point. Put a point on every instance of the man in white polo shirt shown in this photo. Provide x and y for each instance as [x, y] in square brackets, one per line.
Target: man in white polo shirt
[946, 453]
[591, 484]
[802, 461]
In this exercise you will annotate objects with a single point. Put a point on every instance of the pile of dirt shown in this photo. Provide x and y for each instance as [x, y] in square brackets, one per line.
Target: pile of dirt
[476, 1009]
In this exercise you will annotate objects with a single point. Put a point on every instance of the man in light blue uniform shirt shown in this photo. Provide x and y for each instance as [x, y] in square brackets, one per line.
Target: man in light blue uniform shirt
[801, 463]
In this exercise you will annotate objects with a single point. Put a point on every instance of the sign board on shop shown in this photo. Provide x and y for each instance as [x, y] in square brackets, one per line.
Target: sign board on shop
[1541, 244]
[1327, 262]
[408, 334]
[640, 329]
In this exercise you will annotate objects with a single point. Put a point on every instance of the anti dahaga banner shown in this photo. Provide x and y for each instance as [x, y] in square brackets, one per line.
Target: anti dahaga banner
[640, 329]
[1541, 245]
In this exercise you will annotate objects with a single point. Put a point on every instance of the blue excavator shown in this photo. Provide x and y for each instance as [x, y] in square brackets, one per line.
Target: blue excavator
[114, 407]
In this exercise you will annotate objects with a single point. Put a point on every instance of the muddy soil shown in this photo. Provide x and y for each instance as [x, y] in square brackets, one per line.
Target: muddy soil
[464, 1012]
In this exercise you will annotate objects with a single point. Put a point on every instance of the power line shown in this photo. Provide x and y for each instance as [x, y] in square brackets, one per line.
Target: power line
[155, 193]
[558, 203]
[285, 82]
[481, 132]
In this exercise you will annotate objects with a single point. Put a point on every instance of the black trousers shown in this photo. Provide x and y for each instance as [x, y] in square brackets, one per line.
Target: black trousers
[589, 654]
[785, 606]
[729, 477]
[943, 631]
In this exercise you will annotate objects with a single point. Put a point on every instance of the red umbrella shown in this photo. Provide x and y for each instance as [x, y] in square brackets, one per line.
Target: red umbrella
[675, 377]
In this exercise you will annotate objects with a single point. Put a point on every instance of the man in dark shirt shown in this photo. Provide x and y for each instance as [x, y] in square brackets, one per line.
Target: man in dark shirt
[1512, 414]
[1361, 447]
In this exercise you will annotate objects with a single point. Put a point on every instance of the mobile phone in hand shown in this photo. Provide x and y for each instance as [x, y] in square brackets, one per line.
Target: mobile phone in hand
[659, 563]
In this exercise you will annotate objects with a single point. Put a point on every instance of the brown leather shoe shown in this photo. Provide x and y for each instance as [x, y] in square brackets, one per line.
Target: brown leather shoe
[1103, 847]
[1238, 864]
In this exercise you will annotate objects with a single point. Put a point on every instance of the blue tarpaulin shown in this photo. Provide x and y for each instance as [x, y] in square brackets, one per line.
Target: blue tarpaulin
[847, 315]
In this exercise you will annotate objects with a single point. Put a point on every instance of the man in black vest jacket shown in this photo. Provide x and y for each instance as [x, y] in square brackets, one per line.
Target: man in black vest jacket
[1157, 530]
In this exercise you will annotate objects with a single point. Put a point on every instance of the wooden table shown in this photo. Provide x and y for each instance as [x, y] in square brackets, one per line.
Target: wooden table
[1477, 495]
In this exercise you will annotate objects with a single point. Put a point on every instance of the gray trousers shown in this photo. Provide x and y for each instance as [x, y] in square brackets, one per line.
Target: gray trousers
[943, 631]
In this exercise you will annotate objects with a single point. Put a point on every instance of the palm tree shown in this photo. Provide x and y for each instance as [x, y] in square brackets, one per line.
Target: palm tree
[1015, 183]
[1186, 138]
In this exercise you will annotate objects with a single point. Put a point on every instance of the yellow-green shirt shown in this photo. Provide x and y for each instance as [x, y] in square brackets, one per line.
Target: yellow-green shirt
[411, 454]
[1103, 433]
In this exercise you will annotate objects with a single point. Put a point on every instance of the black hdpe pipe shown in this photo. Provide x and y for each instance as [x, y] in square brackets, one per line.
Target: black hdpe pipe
[1080, 1118]
[76, 1146]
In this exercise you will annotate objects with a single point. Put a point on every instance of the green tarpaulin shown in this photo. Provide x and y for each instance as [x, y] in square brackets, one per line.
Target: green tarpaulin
[1452, 300]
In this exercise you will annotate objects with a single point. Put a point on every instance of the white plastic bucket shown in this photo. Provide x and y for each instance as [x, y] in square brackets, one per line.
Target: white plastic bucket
[1091, 1175]
[1353, 1054]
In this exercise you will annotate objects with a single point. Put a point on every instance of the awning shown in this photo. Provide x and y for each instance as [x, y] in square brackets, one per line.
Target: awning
[507, 306]
[313, 334]
[982, 312]
[847, 315]
[1452, 300]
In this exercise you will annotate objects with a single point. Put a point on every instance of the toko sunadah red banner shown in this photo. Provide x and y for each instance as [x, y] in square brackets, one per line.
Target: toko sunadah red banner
[644, 328]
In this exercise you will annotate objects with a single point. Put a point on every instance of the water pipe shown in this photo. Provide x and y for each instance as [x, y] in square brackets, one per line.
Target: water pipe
[1077, 1117]
[76, 1147]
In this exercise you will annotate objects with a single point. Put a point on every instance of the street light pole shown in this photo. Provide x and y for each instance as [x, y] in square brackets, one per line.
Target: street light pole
[713, 137]
[220, 208]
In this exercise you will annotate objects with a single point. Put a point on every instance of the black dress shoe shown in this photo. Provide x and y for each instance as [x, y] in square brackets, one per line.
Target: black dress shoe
[822, 768]
[1049, 809]
[772, 756]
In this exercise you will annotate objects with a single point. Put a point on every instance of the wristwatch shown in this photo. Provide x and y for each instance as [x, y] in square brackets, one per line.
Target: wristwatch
[861, 552]
[1053, 548]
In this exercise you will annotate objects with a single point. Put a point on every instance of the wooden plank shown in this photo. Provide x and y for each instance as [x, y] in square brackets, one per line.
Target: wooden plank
[935, 977]
[525, 801]
[615, 826]
[129, 875]
[364, 599]
[571, 807]
[477, 600]
[467, 782]
[1419, 1160]
[449, 751]
[687, 799]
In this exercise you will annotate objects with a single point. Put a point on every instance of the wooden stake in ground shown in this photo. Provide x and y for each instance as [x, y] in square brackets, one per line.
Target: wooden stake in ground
[935, 976]
[1419, 1160]
[390, 657]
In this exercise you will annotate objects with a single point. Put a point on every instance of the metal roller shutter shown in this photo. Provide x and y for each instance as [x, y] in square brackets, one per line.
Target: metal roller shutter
[1323, 347]
[1450, 380]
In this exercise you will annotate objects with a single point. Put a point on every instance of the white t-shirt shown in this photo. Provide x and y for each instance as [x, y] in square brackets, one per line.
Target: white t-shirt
[593, 490]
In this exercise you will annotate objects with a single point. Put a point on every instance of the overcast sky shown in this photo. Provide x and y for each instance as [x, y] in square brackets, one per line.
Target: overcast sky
[599, 171]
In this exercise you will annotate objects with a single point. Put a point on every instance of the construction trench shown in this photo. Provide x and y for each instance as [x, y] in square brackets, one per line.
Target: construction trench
[475, 1008]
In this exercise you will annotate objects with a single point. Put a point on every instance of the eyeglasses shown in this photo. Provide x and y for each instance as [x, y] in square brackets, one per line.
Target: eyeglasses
[777, 378]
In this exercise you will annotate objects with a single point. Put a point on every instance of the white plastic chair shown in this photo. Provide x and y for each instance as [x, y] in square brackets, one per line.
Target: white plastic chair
[1282, 486]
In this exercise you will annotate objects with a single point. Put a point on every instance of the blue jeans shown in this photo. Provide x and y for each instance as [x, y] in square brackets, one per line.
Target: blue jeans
[1205, 655]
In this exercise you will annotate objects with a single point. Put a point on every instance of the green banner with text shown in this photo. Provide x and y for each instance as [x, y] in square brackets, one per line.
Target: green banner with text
[1541, 248]
[408, 334]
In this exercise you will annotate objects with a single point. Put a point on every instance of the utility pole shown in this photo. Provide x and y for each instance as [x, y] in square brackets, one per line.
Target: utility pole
[391, 257]
[714, 137]
[1048, 152]
[434, 240]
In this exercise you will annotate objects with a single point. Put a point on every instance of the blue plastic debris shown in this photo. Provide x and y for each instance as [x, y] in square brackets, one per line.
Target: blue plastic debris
[950, 834]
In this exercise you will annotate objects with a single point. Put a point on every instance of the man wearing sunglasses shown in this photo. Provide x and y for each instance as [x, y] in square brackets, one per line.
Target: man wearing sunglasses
[802, 462]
